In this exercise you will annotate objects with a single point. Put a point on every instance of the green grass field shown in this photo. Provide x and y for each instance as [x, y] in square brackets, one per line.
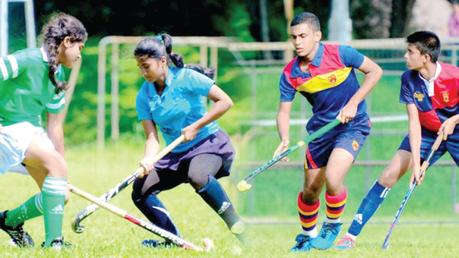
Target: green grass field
[428, 227]
[109, 236]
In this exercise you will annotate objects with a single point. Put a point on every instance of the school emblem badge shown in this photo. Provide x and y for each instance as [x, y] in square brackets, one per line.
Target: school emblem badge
[355, 145]
[332, 79]
[419, 96]
[445, 95]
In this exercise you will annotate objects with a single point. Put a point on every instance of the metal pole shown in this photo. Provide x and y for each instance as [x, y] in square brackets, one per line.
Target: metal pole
[203, 55]
[30, 24]
[214, 60]
[115, 118]
[101, 93]
[340, 23]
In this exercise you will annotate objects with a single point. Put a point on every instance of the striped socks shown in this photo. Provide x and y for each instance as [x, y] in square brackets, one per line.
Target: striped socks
[53, 194]
[335, 206]
[32, 208]
[308, 216]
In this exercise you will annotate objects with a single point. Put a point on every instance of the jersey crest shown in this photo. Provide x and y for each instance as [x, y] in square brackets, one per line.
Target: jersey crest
[419, 96]
[445, 95]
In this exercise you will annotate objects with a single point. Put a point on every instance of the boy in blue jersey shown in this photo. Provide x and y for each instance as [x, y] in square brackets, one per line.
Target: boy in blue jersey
[324, 74]
[170, 99]
[430, 91]
[32, 83]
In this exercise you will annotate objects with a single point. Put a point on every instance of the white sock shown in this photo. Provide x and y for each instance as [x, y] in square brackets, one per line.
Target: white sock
[312, 233]
[338, 220]
[351, 236]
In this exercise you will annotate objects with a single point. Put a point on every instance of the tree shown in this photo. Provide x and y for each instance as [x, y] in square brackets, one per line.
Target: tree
[400, 16]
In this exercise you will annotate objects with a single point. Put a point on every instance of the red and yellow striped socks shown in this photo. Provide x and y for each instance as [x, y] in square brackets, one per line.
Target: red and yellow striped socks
[308, 216]
[335, 206]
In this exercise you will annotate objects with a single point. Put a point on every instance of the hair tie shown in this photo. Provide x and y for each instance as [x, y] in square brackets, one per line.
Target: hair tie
[160, 38]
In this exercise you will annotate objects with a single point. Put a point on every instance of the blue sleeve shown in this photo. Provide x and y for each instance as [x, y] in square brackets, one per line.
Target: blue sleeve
[287, 92]
[405, 94]
[350, 56]
[198, 82]
[142, 107]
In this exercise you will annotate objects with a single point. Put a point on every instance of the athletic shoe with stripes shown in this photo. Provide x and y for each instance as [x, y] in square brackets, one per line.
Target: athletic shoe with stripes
[57, 244]
[18, 235]
[303, 243]
[327, 235]
[345, 243]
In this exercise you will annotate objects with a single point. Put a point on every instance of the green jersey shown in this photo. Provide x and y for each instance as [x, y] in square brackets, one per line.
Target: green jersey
[25, 88]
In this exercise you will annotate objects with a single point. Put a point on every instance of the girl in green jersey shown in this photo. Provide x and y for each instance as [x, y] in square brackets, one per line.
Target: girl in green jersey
[32, 83]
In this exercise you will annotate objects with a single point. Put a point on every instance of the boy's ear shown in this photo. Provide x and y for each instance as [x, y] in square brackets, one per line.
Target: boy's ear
[427, 58]
[318, 35]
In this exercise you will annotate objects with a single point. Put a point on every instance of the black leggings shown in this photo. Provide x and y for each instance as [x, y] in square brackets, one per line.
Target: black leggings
[196, 172]
[200, 172]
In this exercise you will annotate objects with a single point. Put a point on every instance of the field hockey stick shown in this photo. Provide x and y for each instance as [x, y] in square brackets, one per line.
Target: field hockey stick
[83, 214]
[244, 185]
[141, 223]
[413, 185]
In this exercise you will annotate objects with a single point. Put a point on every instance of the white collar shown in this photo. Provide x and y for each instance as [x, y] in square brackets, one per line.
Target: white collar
[437, 73]
[430, 83]
[43, 53]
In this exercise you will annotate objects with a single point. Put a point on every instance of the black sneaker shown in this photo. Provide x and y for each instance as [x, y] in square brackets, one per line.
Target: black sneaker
[57, 244]
[18, 235]
[151, 243]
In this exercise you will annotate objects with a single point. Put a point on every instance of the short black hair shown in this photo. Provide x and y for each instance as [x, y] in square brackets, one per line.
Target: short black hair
[426, 42]
[308, 18]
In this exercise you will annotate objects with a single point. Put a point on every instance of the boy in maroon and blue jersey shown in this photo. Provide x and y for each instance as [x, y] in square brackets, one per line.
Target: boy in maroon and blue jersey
[324, 75]
[430, 91]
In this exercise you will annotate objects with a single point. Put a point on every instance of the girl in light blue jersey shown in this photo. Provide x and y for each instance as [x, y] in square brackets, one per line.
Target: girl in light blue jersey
[32, 83]
[171, 99]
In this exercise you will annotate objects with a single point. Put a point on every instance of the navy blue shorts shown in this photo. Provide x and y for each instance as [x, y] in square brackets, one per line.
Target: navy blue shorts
[350, 136]
[428, 138]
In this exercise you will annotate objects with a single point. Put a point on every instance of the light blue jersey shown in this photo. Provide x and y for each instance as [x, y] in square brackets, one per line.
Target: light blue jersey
[178, 106]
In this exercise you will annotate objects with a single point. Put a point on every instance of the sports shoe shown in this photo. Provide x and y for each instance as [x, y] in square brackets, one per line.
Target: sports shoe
[57, 244]
[18, 235]
[303, 243]
[151, 243]
[345, 243]
[327, 235]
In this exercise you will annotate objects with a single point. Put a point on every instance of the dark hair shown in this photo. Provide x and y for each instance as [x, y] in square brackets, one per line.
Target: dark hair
[308, 18]
[209, 72]
[59, 26]
[426, 42]
[161, 45]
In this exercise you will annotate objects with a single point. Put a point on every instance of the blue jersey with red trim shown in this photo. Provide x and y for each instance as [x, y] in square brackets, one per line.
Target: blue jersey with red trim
[440, 104]
[328, 85]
